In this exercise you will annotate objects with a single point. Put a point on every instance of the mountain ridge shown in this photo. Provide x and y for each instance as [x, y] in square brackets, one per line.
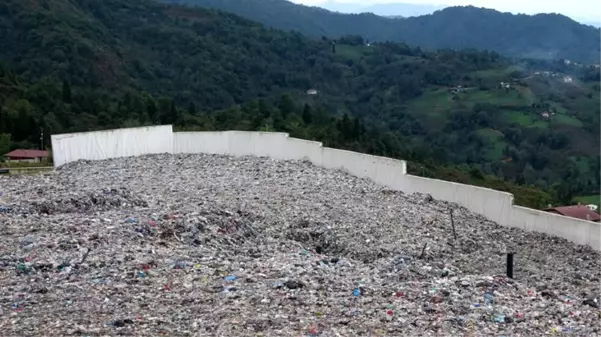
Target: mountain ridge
[545, 36]
[384, 9]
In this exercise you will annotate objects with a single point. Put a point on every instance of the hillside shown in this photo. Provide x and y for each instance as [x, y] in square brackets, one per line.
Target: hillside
[544, 36]
[309, 21]
[91, 64]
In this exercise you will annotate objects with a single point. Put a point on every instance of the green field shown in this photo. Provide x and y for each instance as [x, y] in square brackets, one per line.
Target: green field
[498, 75]
[567, 120]
[434, 105]
[588, 199]
[497, 97]
[352, 52]
[526, 119]
[495, 143]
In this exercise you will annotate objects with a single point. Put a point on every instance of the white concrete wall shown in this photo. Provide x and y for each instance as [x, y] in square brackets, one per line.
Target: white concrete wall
[495, 205]
[300, 149]
[201, 142]
[575, 230]
[260, 144]
[107, 144]
[384, 171]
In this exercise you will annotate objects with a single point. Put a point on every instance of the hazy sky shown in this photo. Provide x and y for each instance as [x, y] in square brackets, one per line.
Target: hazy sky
[577, 9]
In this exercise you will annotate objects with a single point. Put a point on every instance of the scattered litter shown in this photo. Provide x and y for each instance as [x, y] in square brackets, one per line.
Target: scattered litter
[211, 245]
[230, 278]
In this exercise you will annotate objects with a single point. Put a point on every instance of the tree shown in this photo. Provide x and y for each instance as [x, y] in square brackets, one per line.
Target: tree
[563, 193]
[3, 120]
[191, 108]
[307, 115]
[66, 92]
[345, 127]
[286, 105]
[174, 113]
[4, 143]
[151, 110]
[164, 104]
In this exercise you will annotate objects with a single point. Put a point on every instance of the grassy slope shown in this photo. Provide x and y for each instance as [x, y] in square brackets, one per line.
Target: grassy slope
[589, 199]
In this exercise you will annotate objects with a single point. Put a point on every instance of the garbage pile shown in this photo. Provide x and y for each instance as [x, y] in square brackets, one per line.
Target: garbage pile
[204, 245]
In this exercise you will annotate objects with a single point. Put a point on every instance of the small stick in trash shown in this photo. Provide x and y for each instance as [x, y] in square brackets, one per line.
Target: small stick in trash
[453, 224]
[423, 250]
[85, 256]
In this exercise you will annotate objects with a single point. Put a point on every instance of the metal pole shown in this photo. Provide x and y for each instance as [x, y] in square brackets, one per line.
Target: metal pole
[510, 265]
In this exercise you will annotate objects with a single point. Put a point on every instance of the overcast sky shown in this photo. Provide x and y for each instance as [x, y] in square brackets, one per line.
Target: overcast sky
[576, 9]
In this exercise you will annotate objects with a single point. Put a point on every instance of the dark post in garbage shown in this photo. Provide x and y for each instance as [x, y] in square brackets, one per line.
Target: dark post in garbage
[510, 265]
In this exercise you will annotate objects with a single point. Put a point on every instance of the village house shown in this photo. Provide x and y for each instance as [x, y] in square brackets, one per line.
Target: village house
[31, 156]
[577, 211]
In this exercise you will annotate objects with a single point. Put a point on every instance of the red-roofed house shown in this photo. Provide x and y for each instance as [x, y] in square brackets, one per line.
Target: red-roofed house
[32, 156]
[576, 211]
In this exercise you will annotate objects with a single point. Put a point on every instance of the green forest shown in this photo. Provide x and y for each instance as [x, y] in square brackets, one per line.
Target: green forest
[545, 36]
[462, 115]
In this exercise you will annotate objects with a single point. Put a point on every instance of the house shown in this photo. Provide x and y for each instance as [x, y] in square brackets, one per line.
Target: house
[32, 156]
[576, 211]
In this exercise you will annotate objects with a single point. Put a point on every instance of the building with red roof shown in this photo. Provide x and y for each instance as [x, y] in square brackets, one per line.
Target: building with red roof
[32, 156]
[576, 211]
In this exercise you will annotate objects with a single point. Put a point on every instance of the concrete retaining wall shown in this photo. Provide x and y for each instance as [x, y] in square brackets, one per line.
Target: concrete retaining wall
[495, 205]
[201, 142]
[575, 230]
[107, 144]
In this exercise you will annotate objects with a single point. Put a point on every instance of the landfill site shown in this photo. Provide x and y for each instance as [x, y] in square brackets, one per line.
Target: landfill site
[211, 245]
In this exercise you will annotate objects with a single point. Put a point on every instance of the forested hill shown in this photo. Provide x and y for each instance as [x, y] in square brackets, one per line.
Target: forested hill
[75, 65]
[544, 36]
[309, 21]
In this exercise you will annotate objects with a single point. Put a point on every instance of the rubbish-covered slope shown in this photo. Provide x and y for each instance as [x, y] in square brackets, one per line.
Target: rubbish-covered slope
[214, 245]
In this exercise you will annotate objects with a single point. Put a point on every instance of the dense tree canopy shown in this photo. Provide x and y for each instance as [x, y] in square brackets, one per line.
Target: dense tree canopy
[542, 36]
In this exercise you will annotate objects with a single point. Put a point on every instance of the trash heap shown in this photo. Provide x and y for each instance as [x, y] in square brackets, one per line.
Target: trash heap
[203, 245]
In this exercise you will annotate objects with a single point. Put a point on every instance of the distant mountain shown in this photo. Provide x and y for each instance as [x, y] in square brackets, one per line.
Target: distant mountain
[401, 9]
[386, 9]
[342, 7]
[310, 21]
[545, 36]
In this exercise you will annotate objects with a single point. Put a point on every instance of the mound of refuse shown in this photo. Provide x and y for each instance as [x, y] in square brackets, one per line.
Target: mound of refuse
[205, 245]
